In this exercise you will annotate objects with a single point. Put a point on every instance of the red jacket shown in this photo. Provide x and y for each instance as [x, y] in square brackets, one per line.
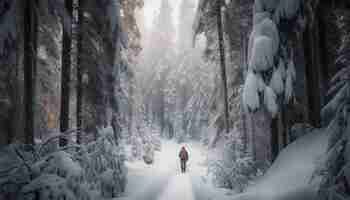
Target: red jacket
[183, 154]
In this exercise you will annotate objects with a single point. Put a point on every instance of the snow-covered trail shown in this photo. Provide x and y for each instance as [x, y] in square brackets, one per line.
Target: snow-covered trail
[163, 180]
[179, 187]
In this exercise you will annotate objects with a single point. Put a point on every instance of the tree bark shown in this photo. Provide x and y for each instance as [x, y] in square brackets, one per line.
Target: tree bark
[223, 64]
[162, 110]
[111, 49]
[274, 139]
[131, 105]
[326, 76]
[65, 79]
[242, 72]
[284, 114]
[29, 65]
[79, 113]
[183, 107]
[252, 137]
[312, 77]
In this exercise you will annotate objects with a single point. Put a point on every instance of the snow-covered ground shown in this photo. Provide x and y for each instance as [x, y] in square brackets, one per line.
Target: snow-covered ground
[289, 178]
[291, 175]
[163, 180]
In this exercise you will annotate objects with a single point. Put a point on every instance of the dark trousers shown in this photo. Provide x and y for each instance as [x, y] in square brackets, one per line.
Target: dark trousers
[183, 166]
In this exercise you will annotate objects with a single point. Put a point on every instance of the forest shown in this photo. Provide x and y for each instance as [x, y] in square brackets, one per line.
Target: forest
[174, 99]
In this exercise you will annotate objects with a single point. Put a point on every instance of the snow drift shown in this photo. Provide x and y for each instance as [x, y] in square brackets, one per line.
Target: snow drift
[291, 175]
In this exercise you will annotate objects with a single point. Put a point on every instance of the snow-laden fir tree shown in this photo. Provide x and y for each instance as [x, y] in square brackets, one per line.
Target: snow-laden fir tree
[271, 71]
[336, 169]
[92, 171]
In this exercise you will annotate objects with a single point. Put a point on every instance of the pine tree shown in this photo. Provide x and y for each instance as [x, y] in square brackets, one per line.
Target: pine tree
[336, 180]
[271, 72]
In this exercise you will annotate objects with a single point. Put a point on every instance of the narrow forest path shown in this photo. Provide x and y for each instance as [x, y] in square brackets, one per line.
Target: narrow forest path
[163, 180]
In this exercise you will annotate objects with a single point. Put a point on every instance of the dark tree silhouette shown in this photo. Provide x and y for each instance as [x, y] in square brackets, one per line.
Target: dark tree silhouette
[65, 79]
[223, 67]
[80, 71]
[30, 32]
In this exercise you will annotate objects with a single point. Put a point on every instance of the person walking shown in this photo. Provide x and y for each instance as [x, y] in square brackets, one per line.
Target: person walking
[183, 155]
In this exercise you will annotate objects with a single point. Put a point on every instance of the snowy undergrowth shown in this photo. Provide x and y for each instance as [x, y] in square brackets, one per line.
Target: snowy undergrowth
[291, 177]
[143, 143]
[336, 169]
[92, 171]
[230, 166]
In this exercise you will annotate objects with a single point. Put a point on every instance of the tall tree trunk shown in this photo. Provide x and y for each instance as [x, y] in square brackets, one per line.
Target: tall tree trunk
[312, 74]
[29, 66]
[252, 137]
[242, 70]
[313, 67]
[15, 114]
[223, 64]
[274, 139]
[65, 79]
[326, 76]
[79, 113]
[131, 105]
[162, 111]
[183, 107]
[284, 121]
[110, 46]
[146, 104]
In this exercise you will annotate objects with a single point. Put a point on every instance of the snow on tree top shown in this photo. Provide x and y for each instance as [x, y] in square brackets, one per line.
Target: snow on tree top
[270, 101]
[265, 27]
[252, 86]
[268, 28]
[276, 82]
[289, 88]
[291, 70]
[260, 16]
[263, 54]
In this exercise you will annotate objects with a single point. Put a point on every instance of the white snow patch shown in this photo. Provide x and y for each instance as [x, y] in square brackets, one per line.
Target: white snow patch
[289, 88]
[291, 70]
[178, 183]
[263, 53]
[268, 28]
[270, 101]
[250, 92]
[276, 82]
[260, 16]
[264, 26]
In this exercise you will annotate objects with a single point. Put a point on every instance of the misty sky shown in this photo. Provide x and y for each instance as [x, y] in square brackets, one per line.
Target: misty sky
[152, 8]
